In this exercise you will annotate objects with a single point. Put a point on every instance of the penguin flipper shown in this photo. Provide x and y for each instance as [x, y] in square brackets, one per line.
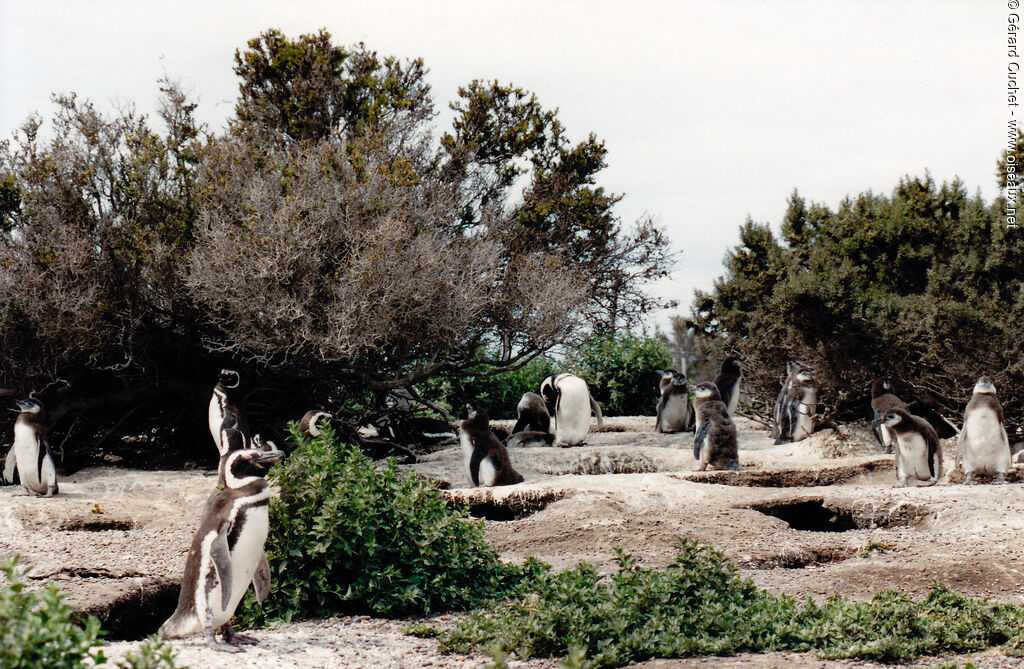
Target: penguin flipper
[596, 408]
[220, 555]
[520, 425]
[702, 433]
[474, 463]
[261, 579]
[9, 466]
[657, 422]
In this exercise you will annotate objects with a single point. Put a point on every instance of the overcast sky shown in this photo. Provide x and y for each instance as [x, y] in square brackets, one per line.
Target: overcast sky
[711, 111]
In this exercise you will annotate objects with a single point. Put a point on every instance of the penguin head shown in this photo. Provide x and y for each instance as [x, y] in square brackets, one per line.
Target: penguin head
[707, 391]
[984, 386]
[229, 378]
[732, 363]
[881, 386]
[895, 417]
[310, 420]
[805, 376]
[247, 465]
[30, 406]
[477, 419]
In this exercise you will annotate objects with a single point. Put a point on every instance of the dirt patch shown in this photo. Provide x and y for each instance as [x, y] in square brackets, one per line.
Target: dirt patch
[89, 525]
[604, 463]
[497, 505]
[801, 557]
[790, 478]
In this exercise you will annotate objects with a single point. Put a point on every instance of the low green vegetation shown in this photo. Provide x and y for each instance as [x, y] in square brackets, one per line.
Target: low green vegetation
[622, 371]
[37, 630]
[347, 536]
[700, 606]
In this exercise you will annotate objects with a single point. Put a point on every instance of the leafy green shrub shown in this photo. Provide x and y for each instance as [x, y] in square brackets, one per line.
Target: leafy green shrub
[36, 629]
[700, 606]
[498, 394]
[348, 536]
[153, 653]
[622, 372]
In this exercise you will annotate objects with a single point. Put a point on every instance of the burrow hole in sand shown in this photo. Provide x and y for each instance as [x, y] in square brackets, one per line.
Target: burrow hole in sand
[512, 507]
[82, 525]
[809, 515]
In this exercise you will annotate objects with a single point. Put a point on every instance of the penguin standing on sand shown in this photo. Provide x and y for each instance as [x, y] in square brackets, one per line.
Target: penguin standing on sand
[917, 447]
[227, 552]
[795, 405]
[675, 411]
[728, 382]
[485, 458]
[227, 399]
[983, 443]
[884, 402]
[715, 444]
[31, 453]
[573, 405]
[532, 414]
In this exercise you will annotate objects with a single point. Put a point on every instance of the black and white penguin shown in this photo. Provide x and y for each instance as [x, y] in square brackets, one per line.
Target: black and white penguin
[32, 457]
[728, 382]
[573, 405]
[485, 458]
[532, 414]
[227, 399]
[529, 438]
[715, 444]
[795, 405]
[227, 551]
[675, 411]
[917, 447]
[983, 444]
[308, 423]
[883, 402]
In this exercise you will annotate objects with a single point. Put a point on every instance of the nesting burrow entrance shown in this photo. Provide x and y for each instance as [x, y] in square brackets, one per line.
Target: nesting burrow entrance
[603, 463]
[812, 514]
[790, 478]
[139, 609]
[483, 503]
[96, 525]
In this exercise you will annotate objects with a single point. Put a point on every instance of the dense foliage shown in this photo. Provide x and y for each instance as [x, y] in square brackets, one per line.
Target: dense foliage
[498, 394]
[347, 536]
[622, 372]
[328, 243]
[925, 284]
[700, 606]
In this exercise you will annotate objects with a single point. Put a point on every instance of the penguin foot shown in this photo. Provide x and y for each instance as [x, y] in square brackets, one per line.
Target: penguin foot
[970, 480]
[1001, 479]
[230, 638]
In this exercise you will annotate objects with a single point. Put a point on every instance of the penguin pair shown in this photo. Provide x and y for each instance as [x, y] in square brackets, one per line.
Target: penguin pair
[30, 455]
[573, 405]
[715, 444]
[795, 405]
[675, 411]
[484, 457]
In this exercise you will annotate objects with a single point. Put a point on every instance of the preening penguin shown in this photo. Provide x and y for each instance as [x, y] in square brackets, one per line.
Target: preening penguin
[308, 424]
[485, 458]
[728, 382]
[573, 405]
[533, 414]
[227, 399]
[917, 447]
[715, 444]
[675, 411]
[884, 402]
[227, 551]
[795, 405]
[31, 452]
[983, 442]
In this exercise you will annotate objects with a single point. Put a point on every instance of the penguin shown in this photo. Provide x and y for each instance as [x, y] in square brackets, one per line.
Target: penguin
[983, 443]
[533, 414]
[675, 411]
[226, 400]
[883, 402]
[485, 458]
[32, 456]
[917, 447]
[227, 552]
[795, 405]
[715, 444]
[529, 438]
[728, 382]
[10, 467]
[573, 405]
[230, 440]
[308, 423]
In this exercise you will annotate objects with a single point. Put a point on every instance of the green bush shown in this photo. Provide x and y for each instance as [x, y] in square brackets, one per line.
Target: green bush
[498, 394]
[347, 536]
[700, 606]
[622, 372]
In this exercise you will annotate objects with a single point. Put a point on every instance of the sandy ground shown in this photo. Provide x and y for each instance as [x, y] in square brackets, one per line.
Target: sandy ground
[797, 519]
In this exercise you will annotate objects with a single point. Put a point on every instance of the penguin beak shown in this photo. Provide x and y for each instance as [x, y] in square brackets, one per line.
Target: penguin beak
[269, 457]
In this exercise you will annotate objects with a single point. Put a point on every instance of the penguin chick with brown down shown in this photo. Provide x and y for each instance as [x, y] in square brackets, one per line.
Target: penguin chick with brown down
[715, 444]
[918, 453]
[795, 405]
[227, 551]
[485, 458]
[883, 402]
[675, 411]
[983, 443]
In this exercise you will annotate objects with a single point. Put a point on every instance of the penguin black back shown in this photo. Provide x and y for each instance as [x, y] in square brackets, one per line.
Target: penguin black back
[532, 414]
[728, 381]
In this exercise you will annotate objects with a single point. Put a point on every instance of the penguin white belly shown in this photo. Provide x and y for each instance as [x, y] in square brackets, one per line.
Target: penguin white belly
[488, 474]
[466, 441]
[26, 452]
[245, 557]
[216, 418]
[673, 415]
[572, 416]
[985, 450]
[805, 416]
[913, 457]
[886, 436]
[734, 398]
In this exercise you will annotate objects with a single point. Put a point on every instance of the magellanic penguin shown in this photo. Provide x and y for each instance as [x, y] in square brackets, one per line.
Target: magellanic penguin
[795, 405]
[227, 399]
[308, 424]
[984, 445]
[573, 405]
[715, 444]
[883, 402]
[33, 458]
[485, 458]
[227, 551]
[532, 414]
[675, 411]
[728, 382]
[917, 447]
